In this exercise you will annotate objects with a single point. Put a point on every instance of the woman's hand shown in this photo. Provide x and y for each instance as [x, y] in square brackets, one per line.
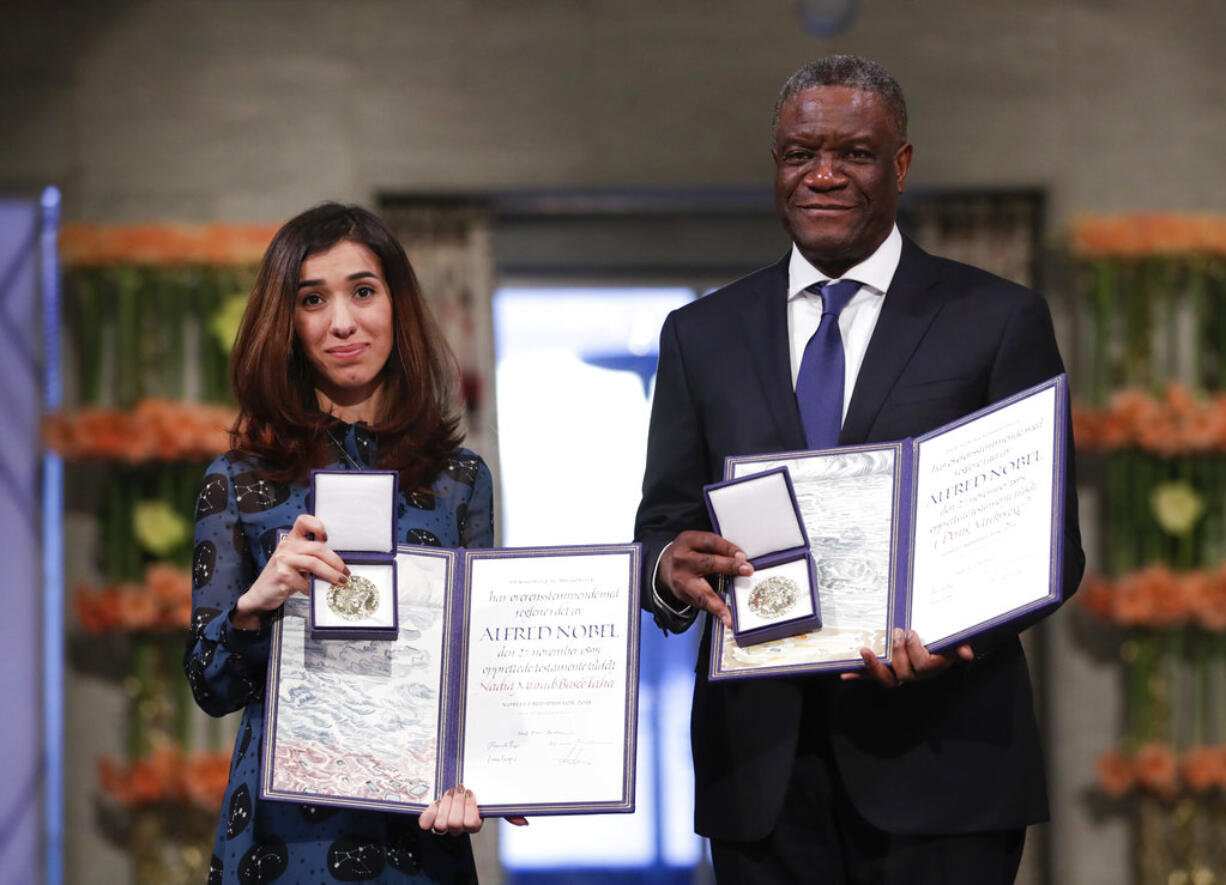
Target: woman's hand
[289, 571]
[456, 813]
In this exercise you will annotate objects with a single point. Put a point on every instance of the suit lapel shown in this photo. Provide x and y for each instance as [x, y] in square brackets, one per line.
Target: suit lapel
[767, 310]
[909, 308]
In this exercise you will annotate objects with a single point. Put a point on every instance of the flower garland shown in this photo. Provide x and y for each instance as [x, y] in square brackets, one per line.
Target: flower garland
[1175, 423]
[1149, 323]
[1158, 598]
[150, 314]
[1155, 768]
[168, 774]
[91, 245]
[162, 603]
[1148, 235]
[155, 430]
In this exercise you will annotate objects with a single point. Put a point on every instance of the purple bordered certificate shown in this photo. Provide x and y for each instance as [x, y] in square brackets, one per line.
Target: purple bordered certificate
[952, 534]
[515, 672]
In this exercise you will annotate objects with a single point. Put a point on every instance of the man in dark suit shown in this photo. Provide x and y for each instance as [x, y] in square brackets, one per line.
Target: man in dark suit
[928, 770]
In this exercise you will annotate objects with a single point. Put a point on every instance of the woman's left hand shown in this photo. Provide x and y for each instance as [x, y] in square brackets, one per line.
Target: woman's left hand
[456, 813]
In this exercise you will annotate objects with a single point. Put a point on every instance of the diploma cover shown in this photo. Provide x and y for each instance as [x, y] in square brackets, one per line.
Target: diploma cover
[952, 534]
[514, 671]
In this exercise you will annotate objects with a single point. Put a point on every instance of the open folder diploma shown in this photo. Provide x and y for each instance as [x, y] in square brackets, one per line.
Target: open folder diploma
[514, 671]
[952, 534]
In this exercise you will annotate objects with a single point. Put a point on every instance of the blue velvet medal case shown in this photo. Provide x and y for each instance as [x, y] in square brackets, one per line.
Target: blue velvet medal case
[759, 514]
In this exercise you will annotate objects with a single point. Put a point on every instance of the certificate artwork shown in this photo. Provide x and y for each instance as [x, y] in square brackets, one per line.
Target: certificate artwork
[847, 500]
[360, 718]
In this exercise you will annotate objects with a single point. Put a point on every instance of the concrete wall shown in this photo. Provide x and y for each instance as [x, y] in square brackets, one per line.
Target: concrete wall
[223, 109]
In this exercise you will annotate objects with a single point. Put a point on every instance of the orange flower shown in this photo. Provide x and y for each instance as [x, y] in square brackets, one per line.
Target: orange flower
[1158, 598]
[1133, 603]
[1132, 406]
[165, 775]
[154, 429]
[138, 610]
[1205, 429]
[1096, 596]
[1145, 234]
[163, 602]
[1159, 434]
[1156, 769]
[1206, 600]
[1149, 598]
[1115, 773]
[104, 610]
[205, 779]
[89, 609]
[1203, 768]
[1178, 422]
[166, 765]
[144, 785]
[113, 779]
[1088, 427]
[85, 245]
[178, 616]
[1179, 399]
[168, 584]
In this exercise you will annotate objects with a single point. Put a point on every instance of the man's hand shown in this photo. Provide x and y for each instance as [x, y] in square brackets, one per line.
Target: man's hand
[911, 661]
[689, 559]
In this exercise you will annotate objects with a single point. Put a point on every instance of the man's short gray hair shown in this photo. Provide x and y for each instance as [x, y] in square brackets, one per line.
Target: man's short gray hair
[851, 71]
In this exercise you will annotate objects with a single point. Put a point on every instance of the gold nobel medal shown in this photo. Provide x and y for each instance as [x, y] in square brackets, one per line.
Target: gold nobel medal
[355, 599]
[773, 597]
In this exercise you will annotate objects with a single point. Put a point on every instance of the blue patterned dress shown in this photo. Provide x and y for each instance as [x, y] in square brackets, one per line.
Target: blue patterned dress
[238, 516]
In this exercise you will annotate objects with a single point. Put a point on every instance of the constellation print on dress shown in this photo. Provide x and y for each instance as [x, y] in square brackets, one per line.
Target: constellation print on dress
[213, 493]
[255, 494]
[402, 851]
[423, 537]
[246, 740]
[462, 468]
[263, 862]
[353, 860]
[422, 499]
[269, 539]
[204, 560]
[314, 814]
[200, 618]
[240, 812]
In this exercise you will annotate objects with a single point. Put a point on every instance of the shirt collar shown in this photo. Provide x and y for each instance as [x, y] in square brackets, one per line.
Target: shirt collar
[875, 272]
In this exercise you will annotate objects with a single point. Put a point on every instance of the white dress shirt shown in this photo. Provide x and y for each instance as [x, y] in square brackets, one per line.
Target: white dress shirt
[856, 324]
[859, 317]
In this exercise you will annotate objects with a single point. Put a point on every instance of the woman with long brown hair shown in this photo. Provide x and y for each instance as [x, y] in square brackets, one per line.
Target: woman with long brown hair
[337, 364]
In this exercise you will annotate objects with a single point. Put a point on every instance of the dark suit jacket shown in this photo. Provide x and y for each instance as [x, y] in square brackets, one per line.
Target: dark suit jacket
[957, 753]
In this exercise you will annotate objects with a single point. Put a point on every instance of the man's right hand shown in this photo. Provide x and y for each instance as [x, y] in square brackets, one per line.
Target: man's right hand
[689, 559]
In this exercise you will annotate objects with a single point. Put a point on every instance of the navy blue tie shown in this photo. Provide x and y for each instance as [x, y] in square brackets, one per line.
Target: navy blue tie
[819, 384]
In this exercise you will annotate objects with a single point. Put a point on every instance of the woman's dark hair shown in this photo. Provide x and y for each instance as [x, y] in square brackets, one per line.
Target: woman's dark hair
[279, 421]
